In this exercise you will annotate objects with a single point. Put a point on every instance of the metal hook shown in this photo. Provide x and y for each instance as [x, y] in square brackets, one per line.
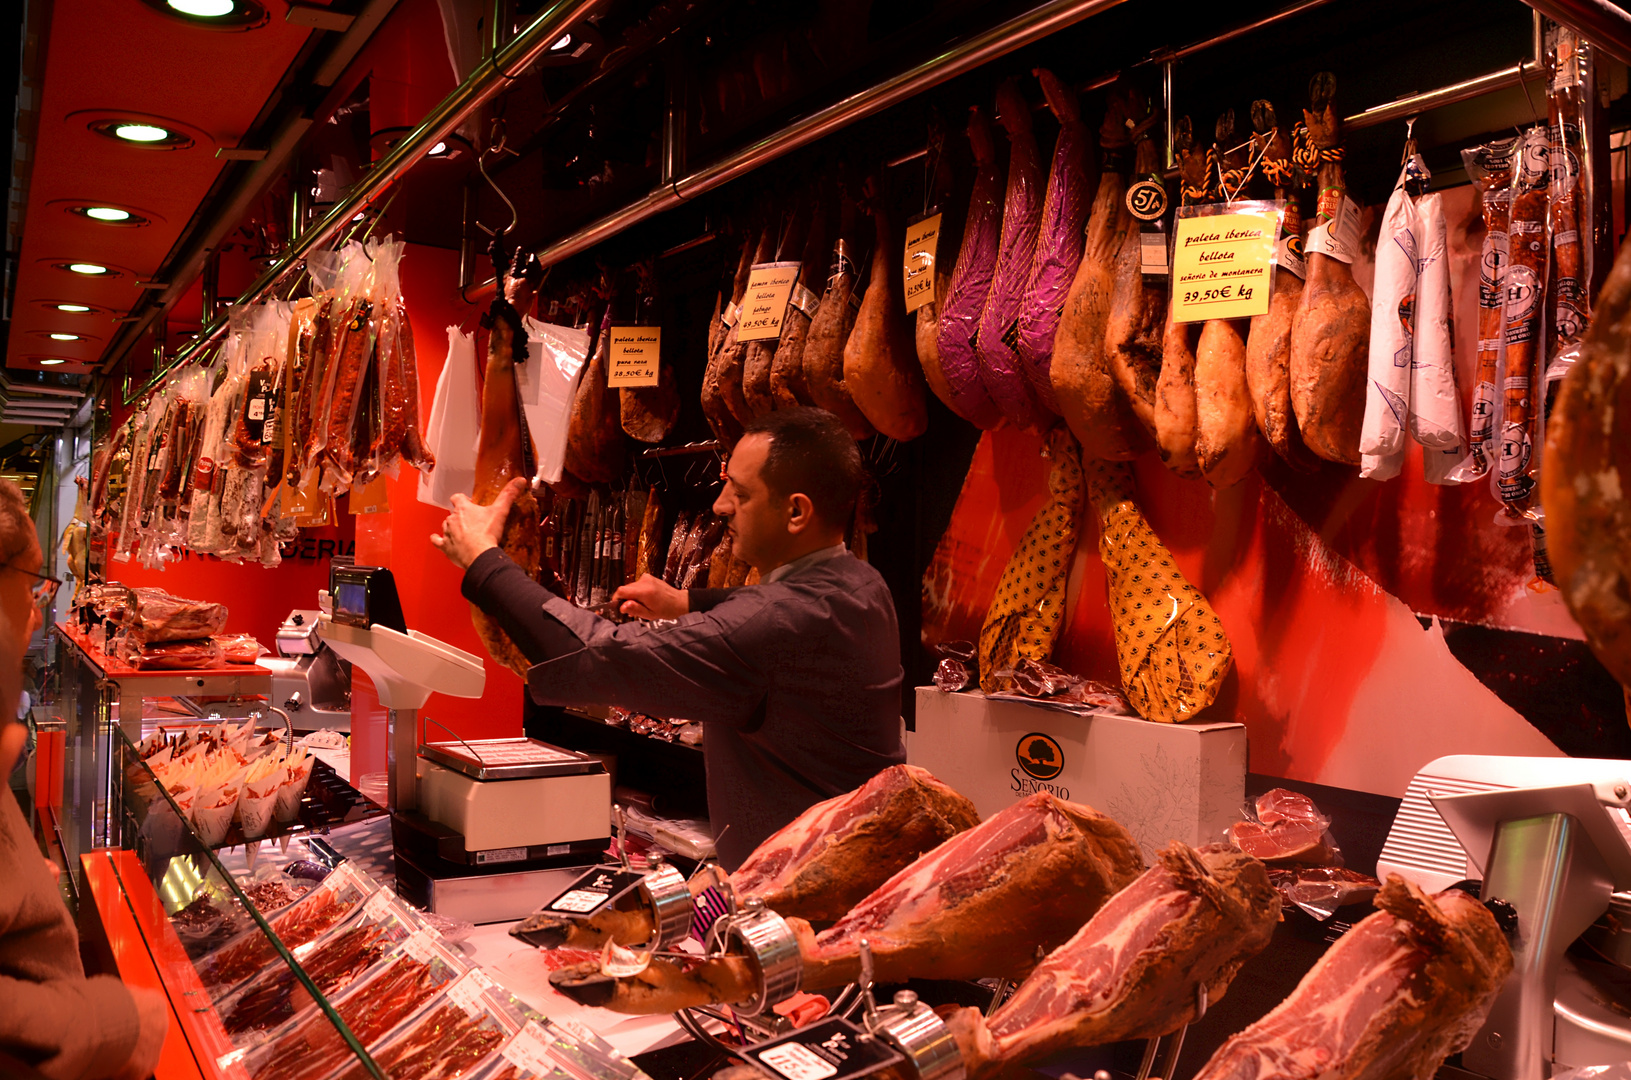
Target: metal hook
[481, 167]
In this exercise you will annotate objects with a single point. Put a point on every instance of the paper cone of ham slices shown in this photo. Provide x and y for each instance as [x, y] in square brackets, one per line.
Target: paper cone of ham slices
[297, 772]
[262, 783]
[1171, 647]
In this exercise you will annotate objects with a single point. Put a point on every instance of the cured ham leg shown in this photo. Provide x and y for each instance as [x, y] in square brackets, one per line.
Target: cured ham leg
[594, 433]
[1133, 971]
[926, 327]
[715, 406]
[957, 315]
[787, 386]
[1089, 399]
[648, 413]
[1588, 468]
[980, 904]
[501, 450]
[1138, 309]
[1175, 389]
[759, 357]
[830, 329]
[823, 862]
[1330, 334]
[1393, 998]
[881, 371]
[1268, 342]
[1226, 440]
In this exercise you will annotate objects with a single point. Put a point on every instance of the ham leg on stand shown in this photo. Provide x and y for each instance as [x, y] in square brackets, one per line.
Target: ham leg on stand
[504, 447]
[819, 865]
[980, 904]
[1139, 968]
[1394, 997]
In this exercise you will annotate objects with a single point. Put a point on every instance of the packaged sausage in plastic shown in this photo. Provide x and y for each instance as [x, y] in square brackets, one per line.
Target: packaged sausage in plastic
[1489, 167]
[350, 361]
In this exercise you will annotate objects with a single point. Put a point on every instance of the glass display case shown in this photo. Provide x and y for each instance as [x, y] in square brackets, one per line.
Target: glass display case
[281, 960]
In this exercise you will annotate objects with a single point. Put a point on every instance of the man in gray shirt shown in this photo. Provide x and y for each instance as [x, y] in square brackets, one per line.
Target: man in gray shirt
[797, 679]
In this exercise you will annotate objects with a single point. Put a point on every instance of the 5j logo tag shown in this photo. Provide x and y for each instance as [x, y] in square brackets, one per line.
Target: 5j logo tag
[1522, 294]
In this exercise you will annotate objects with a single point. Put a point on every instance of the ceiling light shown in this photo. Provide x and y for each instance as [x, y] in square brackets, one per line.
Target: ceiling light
[64, 337]
[75, 309]
[89, 269]
[439, 148]
[107, 213]
[52, 362]
[564, 42]
[203, 9]
[141, 133]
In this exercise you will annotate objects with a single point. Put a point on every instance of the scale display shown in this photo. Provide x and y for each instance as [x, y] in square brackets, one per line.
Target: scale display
[364, 596]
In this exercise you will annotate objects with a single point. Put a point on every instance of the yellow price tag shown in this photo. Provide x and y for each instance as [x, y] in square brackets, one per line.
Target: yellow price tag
[765, 303]
[635, 355]
[922, 239]
[1222, 265]
[373, 497]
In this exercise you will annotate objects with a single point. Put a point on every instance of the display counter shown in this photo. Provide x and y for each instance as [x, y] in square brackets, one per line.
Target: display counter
[290, 960]
[99, 693]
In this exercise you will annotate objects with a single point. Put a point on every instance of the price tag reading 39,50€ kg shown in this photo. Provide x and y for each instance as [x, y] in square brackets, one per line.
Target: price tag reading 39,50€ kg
[1222, 265]
[635, 355]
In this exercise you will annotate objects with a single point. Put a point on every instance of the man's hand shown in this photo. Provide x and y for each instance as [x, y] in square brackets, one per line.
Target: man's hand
[153, 1023]
[651, 598]
[470, 529]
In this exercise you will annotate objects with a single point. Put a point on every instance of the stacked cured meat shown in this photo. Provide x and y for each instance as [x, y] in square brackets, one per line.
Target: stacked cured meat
[159, 631]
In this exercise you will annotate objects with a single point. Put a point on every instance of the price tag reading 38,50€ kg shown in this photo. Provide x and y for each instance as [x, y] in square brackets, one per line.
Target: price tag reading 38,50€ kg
[1222, 265]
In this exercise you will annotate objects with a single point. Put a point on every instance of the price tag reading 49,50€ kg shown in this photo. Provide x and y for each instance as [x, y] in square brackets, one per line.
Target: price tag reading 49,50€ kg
[1222, 265]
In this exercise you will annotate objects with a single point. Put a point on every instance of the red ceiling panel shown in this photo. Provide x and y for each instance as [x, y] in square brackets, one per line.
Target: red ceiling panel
[121, 56]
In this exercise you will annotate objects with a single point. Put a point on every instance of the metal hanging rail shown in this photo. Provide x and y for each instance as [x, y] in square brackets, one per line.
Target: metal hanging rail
[491, 78]
[955, 60]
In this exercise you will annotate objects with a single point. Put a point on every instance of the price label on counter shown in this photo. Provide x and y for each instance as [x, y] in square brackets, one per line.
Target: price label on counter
[466, 992]
[593, 891]
[922, 241]
[528, 1050]
[765, 303]
[635, 355]
[1222, 265]
[830, 1049]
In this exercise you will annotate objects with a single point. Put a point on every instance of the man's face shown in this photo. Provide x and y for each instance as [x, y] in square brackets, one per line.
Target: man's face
[758, 517]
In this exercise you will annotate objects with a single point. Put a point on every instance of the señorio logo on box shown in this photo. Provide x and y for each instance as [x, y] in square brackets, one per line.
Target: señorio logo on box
[1041, 759]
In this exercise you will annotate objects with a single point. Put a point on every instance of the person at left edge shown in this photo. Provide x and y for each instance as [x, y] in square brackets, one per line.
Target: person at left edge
[796, 679]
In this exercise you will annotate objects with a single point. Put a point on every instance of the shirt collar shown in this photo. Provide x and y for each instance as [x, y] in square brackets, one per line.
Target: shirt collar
[803, 562]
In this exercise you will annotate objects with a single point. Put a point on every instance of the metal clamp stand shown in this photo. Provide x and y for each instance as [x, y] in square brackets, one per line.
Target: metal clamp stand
[669, 897]
[1174, 1046]
[912, 1028]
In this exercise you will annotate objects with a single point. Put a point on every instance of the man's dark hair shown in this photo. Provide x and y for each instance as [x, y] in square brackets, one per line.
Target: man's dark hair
[811, 453]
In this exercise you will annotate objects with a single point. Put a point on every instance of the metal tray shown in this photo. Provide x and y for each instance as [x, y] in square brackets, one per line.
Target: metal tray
[508, 759]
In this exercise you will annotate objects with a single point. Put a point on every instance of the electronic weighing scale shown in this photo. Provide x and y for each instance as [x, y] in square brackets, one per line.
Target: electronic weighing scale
[482, 830]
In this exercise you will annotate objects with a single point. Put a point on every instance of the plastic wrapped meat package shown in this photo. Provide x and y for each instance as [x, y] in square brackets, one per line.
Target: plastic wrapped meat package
[329, 904]
[340, 957]
[411, 977]
[153, 615]
[460, 1033]
[1288, 832]
[559, 1050]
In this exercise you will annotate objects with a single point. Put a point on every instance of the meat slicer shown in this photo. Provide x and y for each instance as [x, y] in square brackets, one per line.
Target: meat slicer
[1552, 837]
[309, 680]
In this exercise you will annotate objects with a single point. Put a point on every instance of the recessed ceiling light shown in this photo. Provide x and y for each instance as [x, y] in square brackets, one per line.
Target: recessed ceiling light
[203, 9]
[64, 337]
[73, 308]
[564, 42]
[439, 148]
[52, 362]
[89, 269]
[107, 213]
[141, 133]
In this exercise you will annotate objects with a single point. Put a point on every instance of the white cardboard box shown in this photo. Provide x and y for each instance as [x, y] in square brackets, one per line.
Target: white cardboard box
[1162, 781]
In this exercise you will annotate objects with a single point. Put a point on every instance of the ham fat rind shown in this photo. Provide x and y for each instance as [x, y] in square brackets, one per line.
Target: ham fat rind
[881, 371]
[979, 904]
[1133, 971]
[1394, 997]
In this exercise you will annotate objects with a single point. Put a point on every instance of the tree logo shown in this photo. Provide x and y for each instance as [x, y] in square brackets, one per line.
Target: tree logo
[1040, 756]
